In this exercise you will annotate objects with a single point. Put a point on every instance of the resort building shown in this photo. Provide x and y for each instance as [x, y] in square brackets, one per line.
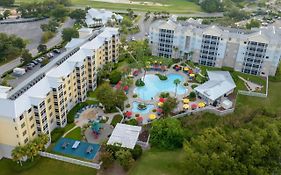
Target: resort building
[217, 88]
[255, 51]
[40, 103]
[99, 17]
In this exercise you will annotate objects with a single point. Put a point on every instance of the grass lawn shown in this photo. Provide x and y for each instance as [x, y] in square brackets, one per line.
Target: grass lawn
[172, 6]
[45, 166]
[75, 134]
[156, 162]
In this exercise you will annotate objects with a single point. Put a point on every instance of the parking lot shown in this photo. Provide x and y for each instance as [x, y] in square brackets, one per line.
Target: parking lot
[15, 80]
[29, 31]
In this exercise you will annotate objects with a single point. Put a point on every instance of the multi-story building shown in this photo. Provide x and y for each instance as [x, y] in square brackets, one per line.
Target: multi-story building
[255, 51]
[41, 103]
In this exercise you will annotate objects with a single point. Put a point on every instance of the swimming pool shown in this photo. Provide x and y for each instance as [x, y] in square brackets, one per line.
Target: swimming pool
[137, 111]
[64, 146]
[153, 86]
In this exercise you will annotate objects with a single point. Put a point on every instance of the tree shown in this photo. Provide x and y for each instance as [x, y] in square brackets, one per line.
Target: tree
[176, 82]
[192, 95]
[69, 33]
[136, 152]
[115, 77]
[166, 133]
[253, 24]
[26, 56]
[212, 5]
[169, 105]
[7, 2]
[6, 14]
[18, 153]
[78, 14]
[59, 12]
[106, 158]
[42, 48]
[124, 157]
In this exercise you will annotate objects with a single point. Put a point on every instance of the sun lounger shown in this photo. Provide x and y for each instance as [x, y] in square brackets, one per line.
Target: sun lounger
[89, 149]
[76, 144]
[64, 145]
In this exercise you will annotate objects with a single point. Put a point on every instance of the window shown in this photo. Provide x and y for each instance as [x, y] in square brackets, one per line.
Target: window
[23, 125]
[24, 133]
[26, 140]
[29, 110]
[21, 117]
[31, 118]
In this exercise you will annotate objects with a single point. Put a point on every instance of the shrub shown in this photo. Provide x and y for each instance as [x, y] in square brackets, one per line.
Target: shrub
[57, 134]
[185, 84]
[47, 36]
[162, 77]
[135, 95]
[194, 86]
[139, 83]
[132, 122]
[164, 94]
[116, 119]
[154, 110]
[128, 105]
[124, 157]
[137, 115]
[192, 96]
[136, 152]
[106, 158]
[115, 77]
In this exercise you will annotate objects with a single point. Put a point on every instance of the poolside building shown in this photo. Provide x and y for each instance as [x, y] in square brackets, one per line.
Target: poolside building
[125, 135]
[255, 51]
[40, 103]
[217, 88]
[99, 17]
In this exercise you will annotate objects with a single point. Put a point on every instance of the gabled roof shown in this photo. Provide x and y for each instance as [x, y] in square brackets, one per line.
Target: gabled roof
[219, 83]
[125, 135]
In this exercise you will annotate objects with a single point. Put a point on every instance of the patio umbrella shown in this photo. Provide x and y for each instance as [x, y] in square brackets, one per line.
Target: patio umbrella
[201, 104]
[185, 100]
[185, 106]
[126, 88]
[186, 69]
[190, 71]
[162, 100]
[152, 116]
[194, 106]
[160, 104]
[128, 114]
[159, 110]
[192, 75]
[139, 119]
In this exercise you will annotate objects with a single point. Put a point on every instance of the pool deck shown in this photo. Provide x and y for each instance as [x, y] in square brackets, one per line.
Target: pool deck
[155, 100]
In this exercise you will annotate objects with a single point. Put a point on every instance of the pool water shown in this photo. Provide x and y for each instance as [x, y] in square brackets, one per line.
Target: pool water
[153, 86]
[80, 151]
[137, 111]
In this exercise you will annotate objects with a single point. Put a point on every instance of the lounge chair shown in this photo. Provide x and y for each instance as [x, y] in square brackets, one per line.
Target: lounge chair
[64, 145]
[89, 149]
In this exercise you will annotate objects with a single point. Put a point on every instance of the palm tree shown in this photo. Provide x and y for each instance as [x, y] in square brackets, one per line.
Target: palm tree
[18, 153]
[176, 82]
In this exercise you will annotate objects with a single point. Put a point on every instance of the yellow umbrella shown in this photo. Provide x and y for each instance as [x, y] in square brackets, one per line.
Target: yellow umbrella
[201, 104]
[160, 104]
[185, 100]
[152, 116]
[155, 61]
[186, 69]
[192, 75]
[185, 106]
[147, 66]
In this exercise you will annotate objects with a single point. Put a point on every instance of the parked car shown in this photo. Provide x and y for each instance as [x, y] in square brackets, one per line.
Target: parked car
[34, 62]
[31, 64]
[50, 55]
[56, 51]
[40, 59]
[29, 67]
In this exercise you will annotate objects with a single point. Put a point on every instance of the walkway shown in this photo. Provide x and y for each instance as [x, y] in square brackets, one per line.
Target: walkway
[70, 130]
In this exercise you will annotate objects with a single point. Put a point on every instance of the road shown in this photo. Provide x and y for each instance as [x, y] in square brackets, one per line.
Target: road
[33, 47]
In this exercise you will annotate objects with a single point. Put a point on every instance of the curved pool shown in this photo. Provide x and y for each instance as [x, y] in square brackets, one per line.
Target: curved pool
[145, 111]
[153, 86]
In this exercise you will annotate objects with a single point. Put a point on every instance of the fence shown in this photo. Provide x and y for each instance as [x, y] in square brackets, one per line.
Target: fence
[21, 21]
[256, 94]
[206, 109]
[70, 160]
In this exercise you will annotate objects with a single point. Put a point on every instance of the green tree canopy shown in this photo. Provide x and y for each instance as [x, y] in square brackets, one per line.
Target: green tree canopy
[69, 33]
[166, 134]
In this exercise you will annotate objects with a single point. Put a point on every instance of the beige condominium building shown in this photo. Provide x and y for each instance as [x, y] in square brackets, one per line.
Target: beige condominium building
[255, 51]
[41, 103]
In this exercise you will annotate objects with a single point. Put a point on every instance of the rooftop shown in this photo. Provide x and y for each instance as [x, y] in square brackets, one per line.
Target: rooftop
[126, 135]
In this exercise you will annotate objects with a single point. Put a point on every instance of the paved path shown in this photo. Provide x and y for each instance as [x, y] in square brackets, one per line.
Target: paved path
[70, 130]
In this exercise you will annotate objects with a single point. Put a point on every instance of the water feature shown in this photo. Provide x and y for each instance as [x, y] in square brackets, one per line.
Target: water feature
[153, 86]
[146, 110]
